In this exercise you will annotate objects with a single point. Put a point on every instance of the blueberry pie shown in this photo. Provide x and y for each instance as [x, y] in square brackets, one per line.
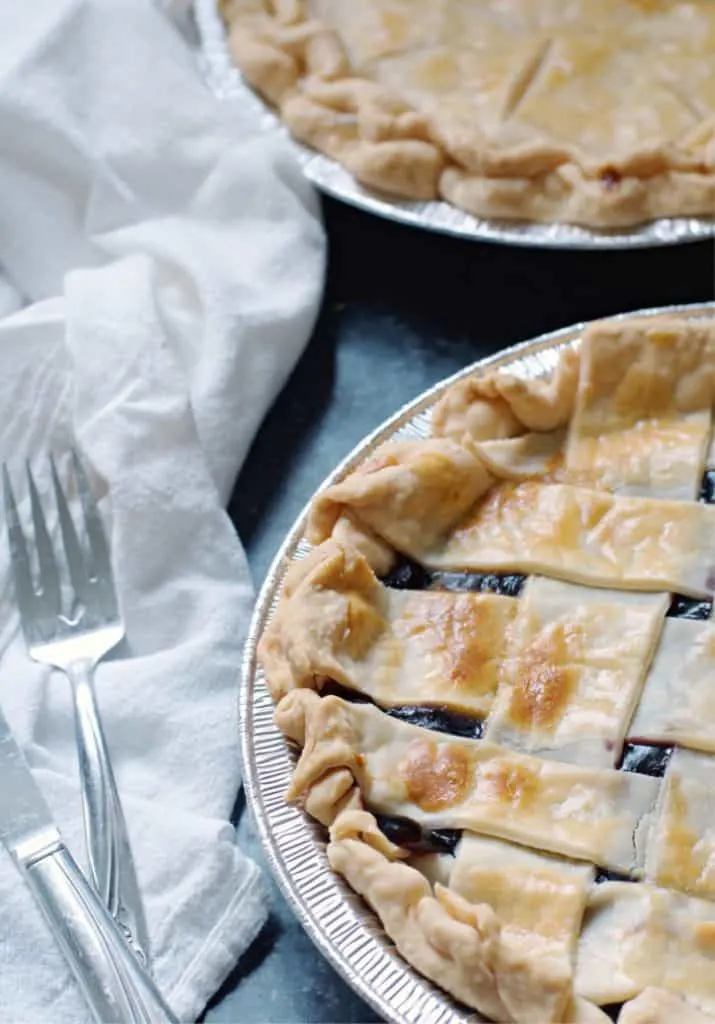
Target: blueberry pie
[498, 664]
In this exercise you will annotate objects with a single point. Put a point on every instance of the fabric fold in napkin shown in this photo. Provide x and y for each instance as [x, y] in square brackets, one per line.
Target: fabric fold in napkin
[172, 264]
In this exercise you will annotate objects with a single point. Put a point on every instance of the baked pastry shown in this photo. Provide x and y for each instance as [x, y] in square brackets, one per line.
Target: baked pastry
[517, 772]
[595, 112]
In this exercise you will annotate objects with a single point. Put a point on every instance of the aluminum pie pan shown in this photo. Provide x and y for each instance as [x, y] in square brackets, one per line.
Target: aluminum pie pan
[226, 82]
[341, 925]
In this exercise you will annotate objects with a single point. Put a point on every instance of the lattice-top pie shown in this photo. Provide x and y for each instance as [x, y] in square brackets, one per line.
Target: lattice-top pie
[597, 112]
[498, 661]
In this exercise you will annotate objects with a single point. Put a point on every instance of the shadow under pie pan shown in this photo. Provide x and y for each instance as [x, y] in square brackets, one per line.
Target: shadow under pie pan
[330, 177]
[347, 933]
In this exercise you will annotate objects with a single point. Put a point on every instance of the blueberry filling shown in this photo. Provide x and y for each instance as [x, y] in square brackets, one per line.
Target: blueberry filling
[408, 834]
[440, 720]
[707, 489]
[610, 876]
[688, 608]
[645, 759]
[613, 1011]
[409, 575]
[508, 585]
[333, 689]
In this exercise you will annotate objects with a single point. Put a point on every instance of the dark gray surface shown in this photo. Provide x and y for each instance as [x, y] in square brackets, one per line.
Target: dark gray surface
[402, 310]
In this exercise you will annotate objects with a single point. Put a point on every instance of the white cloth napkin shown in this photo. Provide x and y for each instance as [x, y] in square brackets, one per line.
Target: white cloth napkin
[180, 264]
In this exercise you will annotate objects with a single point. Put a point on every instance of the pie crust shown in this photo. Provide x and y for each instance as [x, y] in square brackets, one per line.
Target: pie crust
[492, 755]
[598, 815]
[395, 646]
[678, 704]
[574, 670]
[596, 112]
[635, 936]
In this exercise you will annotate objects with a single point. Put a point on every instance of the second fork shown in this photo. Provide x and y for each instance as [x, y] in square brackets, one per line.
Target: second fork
[74, 639]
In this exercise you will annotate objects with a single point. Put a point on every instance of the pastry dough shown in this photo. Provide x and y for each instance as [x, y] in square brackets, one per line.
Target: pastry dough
[642, 421]
[638, 935]
[528, 457]
[458, 944]
[658, 1006]
[397, 647]
[539, 900]
[571, 533]
[598, 815]
[500, 405]
[681, 851]
[678, 700]
[585, 536]
[575, 671]
[410, 493]
[597, 111]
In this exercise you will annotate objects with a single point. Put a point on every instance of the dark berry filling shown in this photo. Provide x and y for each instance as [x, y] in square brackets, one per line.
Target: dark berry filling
[707, 489]
[645, 759]
[437, 718]
[506, 584]
[409, 575]
[689, 608]
[610, 876]
[440, 719]
[613, 1011]
[407, 833]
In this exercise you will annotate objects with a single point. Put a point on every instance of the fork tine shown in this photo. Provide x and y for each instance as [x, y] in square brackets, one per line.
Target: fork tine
[24, 590]
[101, 561]
[49, 596]
[73, 551]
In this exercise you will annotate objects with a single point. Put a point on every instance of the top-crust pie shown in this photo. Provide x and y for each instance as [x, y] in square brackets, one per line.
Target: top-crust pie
[498, 662]
[595, 112]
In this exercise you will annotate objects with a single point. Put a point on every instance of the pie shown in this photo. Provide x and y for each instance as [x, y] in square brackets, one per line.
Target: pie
[498, 663]
[593, 112]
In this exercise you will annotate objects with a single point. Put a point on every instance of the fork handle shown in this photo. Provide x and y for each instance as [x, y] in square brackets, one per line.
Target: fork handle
[109, 854]
[115, 986]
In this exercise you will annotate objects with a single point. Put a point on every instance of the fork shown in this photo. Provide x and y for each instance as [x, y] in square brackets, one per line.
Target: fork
[74, 640]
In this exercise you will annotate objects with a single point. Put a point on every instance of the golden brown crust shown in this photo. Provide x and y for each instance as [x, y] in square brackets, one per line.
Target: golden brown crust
[517, 171]
[527, 503]
[336, 623]
[450, 782]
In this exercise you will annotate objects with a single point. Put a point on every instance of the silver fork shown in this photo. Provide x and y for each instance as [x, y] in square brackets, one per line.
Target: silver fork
[74, 640]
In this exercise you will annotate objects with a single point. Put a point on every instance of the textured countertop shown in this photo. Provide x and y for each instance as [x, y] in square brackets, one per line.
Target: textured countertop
[402, 309]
